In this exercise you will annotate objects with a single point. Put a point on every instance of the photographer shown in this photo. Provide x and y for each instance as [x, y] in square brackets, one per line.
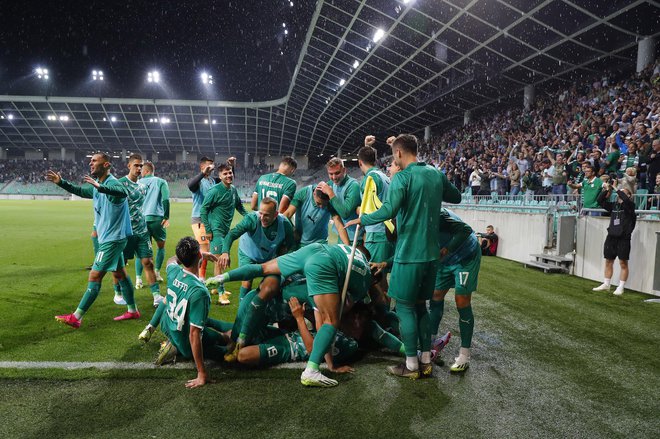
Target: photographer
[617, 243]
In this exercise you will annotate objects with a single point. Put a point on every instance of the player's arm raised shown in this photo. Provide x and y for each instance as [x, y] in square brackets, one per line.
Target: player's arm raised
[339, 225]
[81, 191]
[298, 313]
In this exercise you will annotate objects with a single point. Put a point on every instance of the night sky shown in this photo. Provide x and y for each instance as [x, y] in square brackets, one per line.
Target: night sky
[238, 42]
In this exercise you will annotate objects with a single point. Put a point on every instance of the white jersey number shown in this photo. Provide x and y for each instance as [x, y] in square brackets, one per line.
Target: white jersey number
[177, 309]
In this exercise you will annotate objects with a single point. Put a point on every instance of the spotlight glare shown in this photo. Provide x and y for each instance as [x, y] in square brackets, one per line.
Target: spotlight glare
[64, 118]
[286, 32]
[213, 121]
[104, 119]
[10, 116]
[291, 4]
[356, 63]
[380, 33]
[206, 121]
[153, 76]
[113, 119]
[283, 24]
[164, 120]
[342, 82]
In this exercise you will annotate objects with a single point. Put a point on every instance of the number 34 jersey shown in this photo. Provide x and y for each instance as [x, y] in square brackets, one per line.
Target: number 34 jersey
[188, 303]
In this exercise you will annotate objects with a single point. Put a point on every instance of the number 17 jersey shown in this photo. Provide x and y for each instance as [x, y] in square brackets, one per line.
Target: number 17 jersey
[188, 303]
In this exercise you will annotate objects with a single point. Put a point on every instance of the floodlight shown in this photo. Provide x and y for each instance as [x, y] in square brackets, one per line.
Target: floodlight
[356, 63]
[64, 118]
[291, 4]
[283, 24]
[113, 119]
[10, 116]
[342, 82]
[164, 120]
[153, 76]
[213, 121]
[286, 32]
[41, 73]
[97, 75]
[206, 78]
[380, 33]
[206, 121]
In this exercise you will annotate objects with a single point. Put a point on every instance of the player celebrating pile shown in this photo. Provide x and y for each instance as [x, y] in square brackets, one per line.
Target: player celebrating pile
[113, 226]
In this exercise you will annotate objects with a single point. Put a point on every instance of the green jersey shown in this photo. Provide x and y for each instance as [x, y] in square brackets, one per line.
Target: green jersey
[135, 195]
[217, 210]
[188, 303]
[311, 219]
[346, 201]
[344, 348]
[376, 233]
[590, 191]
[612, 161]
[157, 201]
[415, 199]
[260, 243]
[276, 186]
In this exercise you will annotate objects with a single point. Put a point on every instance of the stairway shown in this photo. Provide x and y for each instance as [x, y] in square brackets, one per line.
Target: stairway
[550, 263]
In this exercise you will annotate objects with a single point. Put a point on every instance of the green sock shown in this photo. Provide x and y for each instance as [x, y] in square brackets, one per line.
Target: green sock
[218, 325]
[155, 319]
[155, 289]
[160, 257]
[423, 327]
[241, 313]
[117, 289]
[466, 325]
[246, 272]
[243, 292]
[88, 298]
[322, 342]
[437, 308]
[384, 338]
[408, 327]
[254, 319]
[95, 244]
[129, 293]
[138, 267]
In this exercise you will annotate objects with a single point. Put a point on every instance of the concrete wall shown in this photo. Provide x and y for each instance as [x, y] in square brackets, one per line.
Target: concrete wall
[589, 263]
[520, 234]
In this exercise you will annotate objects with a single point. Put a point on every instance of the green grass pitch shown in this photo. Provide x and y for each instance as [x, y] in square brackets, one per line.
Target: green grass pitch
[550, 358]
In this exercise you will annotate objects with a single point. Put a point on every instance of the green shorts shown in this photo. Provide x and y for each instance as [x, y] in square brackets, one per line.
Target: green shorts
[110, 256]
[139, 245]
[243, 259]
[276, 350]
[297, 289]
[293, 263]
[216, 243]
[412, 282]
[380, 251]
[156, 230]
[462, 277]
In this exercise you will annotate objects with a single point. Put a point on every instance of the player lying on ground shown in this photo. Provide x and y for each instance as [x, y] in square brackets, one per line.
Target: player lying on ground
[325, 267]
[113, 226]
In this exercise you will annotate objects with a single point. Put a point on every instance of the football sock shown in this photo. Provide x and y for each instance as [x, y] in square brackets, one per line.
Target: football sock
[466, 325]
[138, 267]
[254, 319]
[607, 282]
[240, 314]
[423, 327]
[412, 363]
[622, 283]
[426, 357]
[437, 308]
[128, 293]
[155, 319]
[408, 327]
[242, 292]
[88, 298]
[322, 342]
[95, 244]
[384, 338]
[117, 289]
[202, 269]
[246, 272]
[155, 289]
[160, 257]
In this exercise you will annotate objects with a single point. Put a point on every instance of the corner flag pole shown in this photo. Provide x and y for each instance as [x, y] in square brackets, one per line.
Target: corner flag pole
[367, 189]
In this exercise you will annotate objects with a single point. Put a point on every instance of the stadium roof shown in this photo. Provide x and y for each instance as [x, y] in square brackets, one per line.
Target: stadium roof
[365, 67]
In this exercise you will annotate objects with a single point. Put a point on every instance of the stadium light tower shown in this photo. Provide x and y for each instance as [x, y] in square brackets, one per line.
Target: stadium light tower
[206, 78]
[153, 76]
[42, 73]
[97, 75]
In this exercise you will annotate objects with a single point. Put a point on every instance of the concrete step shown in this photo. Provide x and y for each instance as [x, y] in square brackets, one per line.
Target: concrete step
[554, 258]
[547, 268]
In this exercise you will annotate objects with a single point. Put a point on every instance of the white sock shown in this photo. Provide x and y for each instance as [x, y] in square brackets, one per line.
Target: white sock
[607, 282]
[622, 283]
[412, 363]
[464, 352]
[426, 357]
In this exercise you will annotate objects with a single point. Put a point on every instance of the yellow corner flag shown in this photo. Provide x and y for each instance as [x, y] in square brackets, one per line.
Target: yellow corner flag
[371, 202]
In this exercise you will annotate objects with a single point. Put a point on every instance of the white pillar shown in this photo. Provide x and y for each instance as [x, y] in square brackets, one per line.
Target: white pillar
[427, 133]
[467, 117]
[339, 153]
[123, 155]
[3, 153]
[63, 153]
[246, 160]
[528, 99]
[645, 53]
